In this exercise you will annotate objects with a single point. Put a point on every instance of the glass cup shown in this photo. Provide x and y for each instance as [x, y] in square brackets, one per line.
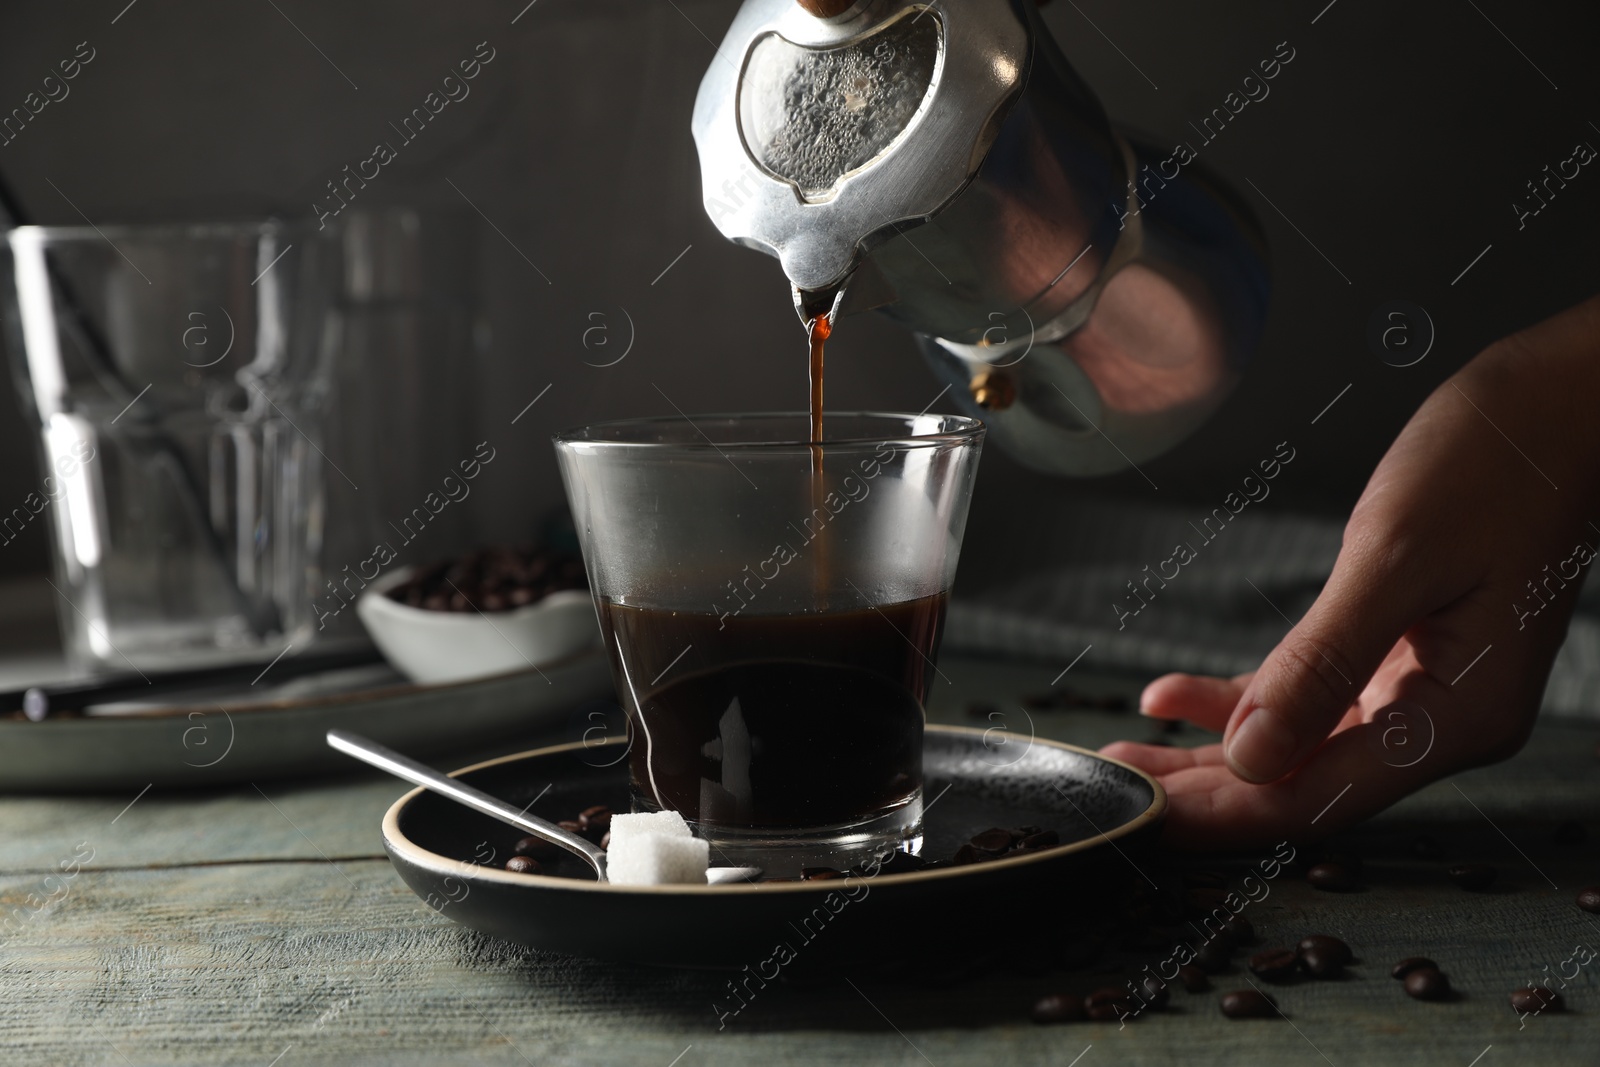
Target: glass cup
[772, 610]
[176, 373]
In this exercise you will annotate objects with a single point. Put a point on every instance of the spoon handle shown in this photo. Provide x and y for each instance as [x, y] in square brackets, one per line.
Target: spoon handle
[386, 759]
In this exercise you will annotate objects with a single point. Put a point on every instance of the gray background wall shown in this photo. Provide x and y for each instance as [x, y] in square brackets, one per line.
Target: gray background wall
[1396, 142]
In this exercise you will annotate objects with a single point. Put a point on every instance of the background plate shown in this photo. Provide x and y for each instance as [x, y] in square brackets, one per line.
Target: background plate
[238, 736]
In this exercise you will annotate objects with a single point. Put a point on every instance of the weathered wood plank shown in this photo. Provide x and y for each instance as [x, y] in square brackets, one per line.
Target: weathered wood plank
[237, 964]
[270, 950]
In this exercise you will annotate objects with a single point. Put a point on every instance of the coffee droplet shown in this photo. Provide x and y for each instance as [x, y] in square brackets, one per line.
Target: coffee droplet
[993, 390]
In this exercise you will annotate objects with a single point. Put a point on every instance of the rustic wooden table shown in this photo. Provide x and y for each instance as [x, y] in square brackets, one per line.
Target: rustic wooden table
[262, 925]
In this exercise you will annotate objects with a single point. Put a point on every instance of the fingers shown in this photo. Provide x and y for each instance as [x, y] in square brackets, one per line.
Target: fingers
[1160, 760]
[1305, 686]
[1357, 773]
[1206, 702]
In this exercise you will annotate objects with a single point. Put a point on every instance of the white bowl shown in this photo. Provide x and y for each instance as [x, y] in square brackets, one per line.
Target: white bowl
[449, 646]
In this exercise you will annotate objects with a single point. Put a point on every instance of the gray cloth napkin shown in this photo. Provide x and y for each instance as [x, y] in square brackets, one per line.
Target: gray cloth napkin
[1216, 609]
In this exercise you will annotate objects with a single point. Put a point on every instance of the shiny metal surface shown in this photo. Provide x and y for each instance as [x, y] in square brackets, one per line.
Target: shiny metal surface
[1100, 305]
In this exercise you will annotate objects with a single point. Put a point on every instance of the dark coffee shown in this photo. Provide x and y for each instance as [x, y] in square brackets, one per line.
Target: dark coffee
[808, 719]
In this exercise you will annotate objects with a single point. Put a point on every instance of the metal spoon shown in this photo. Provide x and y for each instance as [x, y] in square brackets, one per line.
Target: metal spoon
[386, 759]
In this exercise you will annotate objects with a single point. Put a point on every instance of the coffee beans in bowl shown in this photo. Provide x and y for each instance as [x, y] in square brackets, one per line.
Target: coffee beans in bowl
[491, 579]
[493, 611]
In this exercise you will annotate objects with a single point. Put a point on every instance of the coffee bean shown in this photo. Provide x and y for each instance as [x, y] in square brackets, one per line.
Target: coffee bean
[522, 865]
[1412, 963]
[1536, 999]
[1193, 978]
[967, 854]
[898, 862]
[1214, 956]
[1425, 983]
[1570, 833]
[1248, 1004]
[1333, 877]
[598, 816]
[1589, 898]
[819, 874]
[537, 848]
[1059, 1008]
[1473, 876]
[1042, 839]
[1108, 995]
[1320, 963]
[1239, 930]
[605, 842]
[1425, 848]
[1154, 991]
[1275, 964]
[994, 840]
[1108, 1003]
[1328, 946]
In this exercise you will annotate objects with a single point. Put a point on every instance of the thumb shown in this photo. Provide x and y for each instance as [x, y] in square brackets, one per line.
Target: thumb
[1319, 669]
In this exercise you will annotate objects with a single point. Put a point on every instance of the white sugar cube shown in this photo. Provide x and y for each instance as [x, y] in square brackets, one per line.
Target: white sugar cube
[648, 858]
[669, 823]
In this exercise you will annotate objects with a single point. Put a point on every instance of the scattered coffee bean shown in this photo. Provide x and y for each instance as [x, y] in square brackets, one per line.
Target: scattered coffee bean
[1425, 848]
[597, 816]
[572, 826]
[1214, 956]
[522, 865]
[994, 840]
[1536, 999]
[901, 863]
[1059, 1008]
[1473, 876]
[1333, 877]
[1320, 963]
[1248, 1004]
[1425, 983]
[1042, 839]
[1411, 963]
[1154, 991]
[1108, 1003]
[1569, 833]
[1193, 978]
[537, 848]
[605, 842]
[967, 854]
[1275, 964]
[1589, 898]
[1332, 949]
[1239, 930]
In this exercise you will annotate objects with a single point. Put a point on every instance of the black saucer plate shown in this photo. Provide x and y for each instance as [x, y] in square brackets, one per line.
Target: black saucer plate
[1105, 812]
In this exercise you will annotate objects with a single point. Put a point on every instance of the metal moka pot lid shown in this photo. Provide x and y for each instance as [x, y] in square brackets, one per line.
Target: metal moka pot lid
[815, 135]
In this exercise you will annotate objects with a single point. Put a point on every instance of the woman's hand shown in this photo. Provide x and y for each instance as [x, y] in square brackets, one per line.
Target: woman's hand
[1428, 649]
